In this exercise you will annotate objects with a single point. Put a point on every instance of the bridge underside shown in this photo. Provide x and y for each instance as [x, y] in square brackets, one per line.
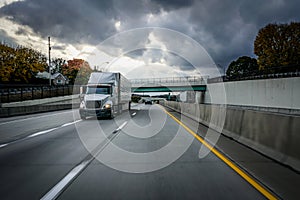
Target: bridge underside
[169, 89]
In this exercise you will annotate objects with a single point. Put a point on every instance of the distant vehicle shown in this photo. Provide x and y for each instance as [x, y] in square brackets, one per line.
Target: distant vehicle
[106, 95]
[148, 102]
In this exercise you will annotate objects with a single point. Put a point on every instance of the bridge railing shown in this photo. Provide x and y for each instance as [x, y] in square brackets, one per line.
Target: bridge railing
[167, 81]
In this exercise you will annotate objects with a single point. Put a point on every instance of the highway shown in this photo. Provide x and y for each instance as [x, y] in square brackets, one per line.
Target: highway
[142, 154]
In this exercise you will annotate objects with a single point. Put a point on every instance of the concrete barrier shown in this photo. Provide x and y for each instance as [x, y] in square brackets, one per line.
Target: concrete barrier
[275, 135]
[39, 105]
[24, 110]
[282, 94]
[53, 100]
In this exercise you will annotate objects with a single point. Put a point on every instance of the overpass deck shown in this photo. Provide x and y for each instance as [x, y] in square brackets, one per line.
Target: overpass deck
[169, 84]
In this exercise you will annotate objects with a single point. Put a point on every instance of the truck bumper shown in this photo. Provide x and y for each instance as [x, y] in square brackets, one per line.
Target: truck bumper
[95, 113]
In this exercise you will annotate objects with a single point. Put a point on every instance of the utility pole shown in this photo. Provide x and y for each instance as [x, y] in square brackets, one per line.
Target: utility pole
[49, 60]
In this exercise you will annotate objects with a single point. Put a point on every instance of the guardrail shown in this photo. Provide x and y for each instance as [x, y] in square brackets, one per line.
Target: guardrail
[14, 93]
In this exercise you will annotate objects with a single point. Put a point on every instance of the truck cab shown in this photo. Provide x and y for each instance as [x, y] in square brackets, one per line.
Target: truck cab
[105, 96]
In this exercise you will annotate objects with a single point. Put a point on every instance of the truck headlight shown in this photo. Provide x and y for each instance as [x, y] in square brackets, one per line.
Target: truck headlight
[107, 106]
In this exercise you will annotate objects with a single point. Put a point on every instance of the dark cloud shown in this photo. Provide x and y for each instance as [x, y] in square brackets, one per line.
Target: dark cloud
[21, 31]
[226, 28]
[157, 55]
[58, 47]
[261, 13]
[70, 21]
[173, 4]
[136, 53]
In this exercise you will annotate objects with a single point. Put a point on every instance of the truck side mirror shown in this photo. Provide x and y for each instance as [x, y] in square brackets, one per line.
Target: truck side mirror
[81, 93]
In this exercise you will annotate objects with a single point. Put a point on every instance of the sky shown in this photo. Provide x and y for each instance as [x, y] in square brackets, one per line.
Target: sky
[99, 31]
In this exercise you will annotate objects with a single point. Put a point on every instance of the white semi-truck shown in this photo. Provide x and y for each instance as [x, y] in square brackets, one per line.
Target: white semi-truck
[106, 95]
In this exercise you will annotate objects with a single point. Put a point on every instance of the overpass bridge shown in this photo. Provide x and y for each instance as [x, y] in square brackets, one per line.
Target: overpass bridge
[169, 84]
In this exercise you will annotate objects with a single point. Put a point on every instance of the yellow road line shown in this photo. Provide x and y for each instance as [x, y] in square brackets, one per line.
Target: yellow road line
[250, 180]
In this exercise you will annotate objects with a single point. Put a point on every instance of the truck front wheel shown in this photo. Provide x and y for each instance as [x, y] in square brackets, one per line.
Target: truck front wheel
[112, 114]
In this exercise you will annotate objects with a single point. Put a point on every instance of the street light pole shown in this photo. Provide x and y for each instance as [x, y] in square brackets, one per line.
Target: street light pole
[49, 61]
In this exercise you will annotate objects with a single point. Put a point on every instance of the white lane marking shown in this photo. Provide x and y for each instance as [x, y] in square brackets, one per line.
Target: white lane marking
[68, 124]
[122, 126]
[3, 145]
[119, 128]
[58, 188]
[133, 114]
[20, 120]
[63, 183]
[40, 133]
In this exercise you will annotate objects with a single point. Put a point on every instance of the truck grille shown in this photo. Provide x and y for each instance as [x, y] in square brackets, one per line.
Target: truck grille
[93, 104]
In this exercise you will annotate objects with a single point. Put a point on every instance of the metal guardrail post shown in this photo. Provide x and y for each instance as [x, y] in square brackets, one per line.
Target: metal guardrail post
[42, 91]
[32, 93]
[8, 95]
[21, 93]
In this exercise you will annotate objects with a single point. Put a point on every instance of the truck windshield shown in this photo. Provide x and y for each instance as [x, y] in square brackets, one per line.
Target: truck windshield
[98, 90]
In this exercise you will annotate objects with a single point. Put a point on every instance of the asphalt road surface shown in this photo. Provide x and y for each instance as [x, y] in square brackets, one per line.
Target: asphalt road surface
[141, 154]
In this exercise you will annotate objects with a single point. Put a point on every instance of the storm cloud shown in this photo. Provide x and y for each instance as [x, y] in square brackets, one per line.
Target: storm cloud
[226, 29]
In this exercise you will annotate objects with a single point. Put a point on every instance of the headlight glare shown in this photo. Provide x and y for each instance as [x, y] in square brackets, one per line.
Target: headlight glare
[107, 106]
[82, 105]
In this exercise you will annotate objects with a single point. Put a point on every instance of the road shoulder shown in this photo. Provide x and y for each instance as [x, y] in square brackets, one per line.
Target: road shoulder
[278, 178]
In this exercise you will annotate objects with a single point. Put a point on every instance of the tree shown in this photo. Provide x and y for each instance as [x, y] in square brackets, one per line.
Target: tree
[20, 64]
[135, 98]
[278, 45]
[28, 63]
[244, 66]
[57, 65]
[77, 70]
[7, 55]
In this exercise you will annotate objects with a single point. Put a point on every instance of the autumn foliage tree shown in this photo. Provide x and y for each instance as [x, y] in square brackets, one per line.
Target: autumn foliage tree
[244, 66]
[7, 55]
[21, 64]
[57, 65]
[77, 71]
[278, 45]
